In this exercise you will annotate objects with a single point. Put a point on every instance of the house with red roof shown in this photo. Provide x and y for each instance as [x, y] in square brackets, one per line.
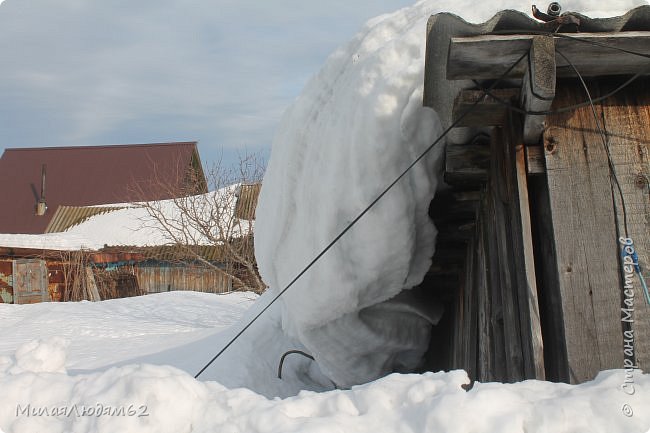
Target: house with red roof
[36, 182]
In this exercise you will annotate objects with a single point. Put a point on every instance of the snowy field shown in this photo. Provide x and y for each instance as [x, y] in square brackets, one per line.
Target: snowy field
[61, 383]
[357, 124]
[106, 333]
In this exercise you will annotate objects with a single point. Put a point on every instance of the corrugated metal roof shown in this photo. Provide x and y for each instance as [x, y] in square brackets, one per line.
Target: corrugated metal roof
[439, 93]
[67, 216]
[89, 175]
[172, 253]
[247, 195]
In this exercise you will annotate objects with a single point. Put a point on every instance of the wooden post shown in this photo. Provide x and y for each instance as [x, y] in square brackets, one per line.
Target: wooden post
[627, 123]
[529, 285]
[538, 86]
[91, 286]
[585, 238]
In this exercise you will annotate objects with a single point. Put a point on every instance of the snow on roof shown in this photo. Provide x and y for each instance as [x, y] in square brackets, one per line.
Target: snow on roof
[50, 241]
[133, 224]
[130, 224]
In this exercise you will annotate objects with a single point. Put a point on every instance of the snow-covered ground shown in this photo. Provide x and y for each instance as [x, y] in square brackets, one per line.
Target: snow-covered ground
[104, 333]
[91, 383]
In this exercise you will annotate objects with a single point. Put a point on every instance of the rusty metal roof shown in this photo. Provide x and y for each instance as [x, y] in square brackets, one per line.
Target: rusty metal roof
[439, 93]
[90, 175]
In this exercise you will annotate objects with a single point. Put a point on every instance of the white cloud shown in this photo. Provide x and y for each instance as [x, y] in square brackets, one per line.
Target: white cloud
[90, 72]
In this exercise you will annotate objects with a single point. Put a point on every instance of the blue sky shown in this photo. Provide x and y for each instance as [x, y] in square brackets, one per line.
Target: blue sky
[82, 72]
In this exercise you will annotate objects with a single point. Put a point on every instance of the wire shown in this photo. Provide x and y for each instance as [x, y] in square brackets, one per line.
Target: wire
[289, 352]
[365, 211]
[486, 92]
[576, 106]
[562, 109]
[603, 136]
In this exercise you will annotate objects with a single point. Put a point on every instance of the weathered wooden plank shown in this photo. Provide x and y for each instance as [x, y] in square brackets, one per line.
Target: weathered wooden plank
[454, 253]
[91, 286]
[466, 165]
[498, 353]
[485, 349]
[503, 182]
[627, 122]
[454, 206]
[489, 56]
[538, 86]
[488, 112]
[29, 277]
[456, 232]
[535, 162]
[550, 300]
[585, 239]
[530, 298]
[155, 279]
[470, 314]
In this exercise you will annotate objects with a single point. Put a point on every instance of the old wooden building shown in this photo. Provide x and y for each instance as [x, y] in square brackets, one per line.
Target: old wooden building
[547, 176]
[106, 252]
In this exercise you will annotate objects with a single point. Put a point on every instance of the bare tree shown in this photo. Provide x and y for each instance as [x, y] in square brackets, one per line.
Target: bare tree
[77, 276]
[214, 228]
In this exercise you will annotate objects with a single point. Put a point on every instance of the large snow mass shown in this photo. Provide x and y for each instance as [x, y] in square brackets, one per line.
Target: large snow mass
[356, 126]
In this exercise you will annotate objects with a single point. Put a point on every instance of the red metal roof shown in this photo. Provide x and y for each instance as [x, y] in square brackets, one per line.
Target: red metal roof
[89, 175]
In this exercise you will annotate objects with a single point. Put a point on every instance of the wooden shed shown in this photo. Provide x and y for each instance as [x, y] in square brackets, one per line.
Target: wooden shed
[544, 191]
[32, 275]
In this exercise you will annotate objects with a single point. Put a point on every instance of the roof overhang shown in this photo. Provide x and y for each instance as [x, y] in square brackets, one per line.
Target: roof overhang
[458, 51]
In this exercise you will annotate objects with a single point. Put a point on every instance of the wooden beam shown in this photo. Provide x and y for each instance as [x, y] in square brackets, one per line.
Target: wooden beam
[454, 206]
[529, 294]
[535, 160]
[91, 286]
[585, 238]
[449, 253]
[538, 86]
[627, 122]
[466, 165]
[489, 56]
[456, 232]
[488, 112]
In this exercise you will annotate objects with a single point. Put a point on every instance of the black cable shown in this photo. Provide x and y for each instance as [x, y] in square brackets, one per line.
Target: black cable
[289, 352]
[486, 92]
[576, 106]
[355, 220]
[562, 109]
[612, 168]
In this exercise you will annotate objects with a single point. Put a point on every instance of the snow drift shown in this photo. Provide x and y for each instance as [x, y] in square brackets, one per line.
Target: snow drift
[43, 388]
[356, 126]
[160, 399]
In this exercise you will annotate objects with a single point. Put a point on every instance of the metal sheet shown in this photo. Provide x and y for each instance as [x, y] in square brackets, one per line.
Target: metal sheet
[30, 281]
[6, 282]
